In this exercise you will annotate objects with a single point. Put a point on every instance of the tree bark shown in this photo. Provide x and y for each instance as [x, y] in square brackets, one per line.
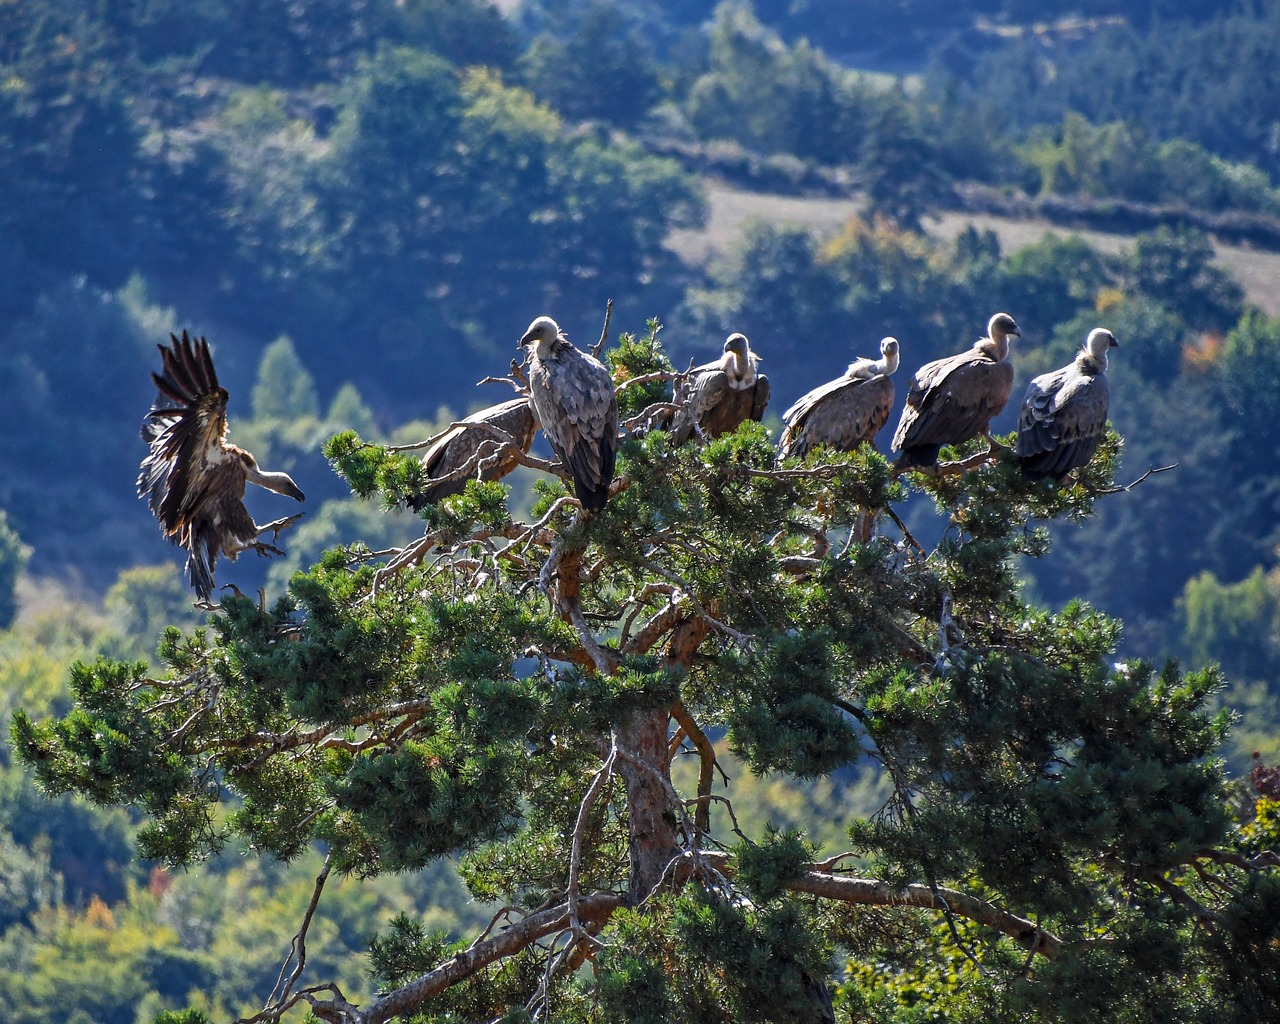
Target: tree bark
[642, 744]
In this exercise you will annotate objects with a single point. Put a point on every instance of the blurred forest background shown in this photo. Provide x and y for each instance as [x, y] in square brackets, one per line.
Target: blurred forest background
[363, 204]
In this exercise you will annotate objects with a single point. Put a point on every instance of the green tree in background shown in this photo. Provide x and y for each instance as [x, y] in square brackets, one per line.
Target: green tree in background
[13, 557]
[520, 692]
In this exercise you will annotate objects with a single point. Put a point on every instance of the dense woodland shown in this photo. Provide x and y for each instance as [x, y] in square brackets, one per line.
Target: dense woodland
[363, 205]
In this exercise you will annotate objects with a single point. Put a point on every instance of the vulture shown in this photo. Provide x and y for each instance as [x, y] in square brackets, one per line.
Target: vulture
[954, 399]
[1064, 413]
[846, 411]
[718, 396]
[462, 446]
[573, 398]
[192, 478]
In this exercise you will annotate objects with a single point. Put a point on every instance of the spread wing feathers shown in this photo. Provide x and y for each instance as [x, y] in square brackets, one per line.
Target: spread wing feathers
[186, 432]
[192, 478]
[574, 400]
[716, 406]
[950, 401]
[841, 413]
[462, 446]
[1062, 420]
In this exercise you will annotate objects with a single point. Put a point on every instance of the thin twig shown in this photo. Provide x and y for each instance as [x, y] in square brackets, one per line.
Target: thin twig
[604, 331]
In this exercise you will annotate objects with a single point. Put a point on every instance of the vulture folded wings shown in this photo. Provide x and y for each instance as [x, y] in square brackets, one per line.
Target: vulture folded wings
[481, 451]
[952, 400]
[192, 478]
[1064, 414]
[846, 411]
[721, 395]
[574, 401]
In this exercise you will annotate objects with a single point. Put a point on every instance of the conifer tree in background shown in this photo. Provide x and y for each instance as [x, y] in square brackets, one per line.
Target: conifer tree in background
[1060, 843]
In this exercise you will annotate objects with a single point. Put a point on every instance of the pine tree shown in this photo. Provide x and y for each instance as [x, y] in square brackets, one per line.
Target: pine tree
[1060, 843]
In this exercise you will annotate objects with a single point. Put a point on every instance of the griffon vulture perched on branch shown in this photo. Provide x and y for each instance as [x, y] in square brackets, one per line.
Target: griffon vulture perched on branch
[954, 399]
[573, 398]
[192, 478]
[1064, 413]
[846, 411]
[464, 446]
[718, 396]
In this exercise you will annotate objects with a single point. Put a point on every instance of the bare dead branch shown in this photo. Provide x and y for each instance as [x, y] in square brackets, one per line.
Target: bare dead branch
[579, 832]
[591, 909]
[604, 331]
[280, 995]
[875, 893]
[1151, 470]
[706, 764]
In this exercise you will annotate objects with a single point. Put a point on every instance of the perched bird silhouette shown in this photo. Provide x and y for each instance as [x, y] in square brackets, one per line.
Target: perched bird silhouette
[843, 412]
[574, 401]
[954, 399]
[720, 395]
[192, 478]
[463, 446]
[1064, 413]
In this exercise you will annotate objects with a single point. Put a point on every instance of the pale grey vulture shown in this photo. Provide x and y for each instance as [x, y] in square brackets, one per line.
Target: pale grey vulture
[192, 478]
[1064, 413]
[846, 411]
[718, 396]
[475, 445]
[954, 399]
[573, 398]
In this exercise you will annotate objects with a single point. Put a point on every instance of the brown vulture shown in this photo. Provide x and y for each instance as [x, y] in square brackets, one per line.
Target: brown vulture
[954, 399]
[718, 396]
[192, 478]
[1064, 413]
[573, 398]
[846, 411]
[463, 446]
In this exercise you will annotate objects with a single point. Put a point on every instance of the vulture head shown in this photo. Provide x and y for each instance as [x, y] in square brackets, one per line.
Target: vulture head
[739, 361]
[542, 334]
[887, 364]
[1099, 343]
[281, 483]
[1000, 328]
[888, 356]
[1002, 325]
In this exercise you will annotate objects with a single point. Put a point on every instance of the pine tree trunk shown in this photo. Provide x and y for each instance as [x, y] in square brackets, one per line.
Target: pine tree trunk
[643, 765]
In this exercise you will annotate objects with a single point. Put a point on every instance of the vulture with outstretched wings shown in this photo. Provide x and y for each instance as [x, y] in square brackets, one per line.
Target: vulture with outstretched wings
[718, 396]
[1064, 413]
[846, 411]
[192, 478]
[954, 399]
[574, 401]
[483, 449]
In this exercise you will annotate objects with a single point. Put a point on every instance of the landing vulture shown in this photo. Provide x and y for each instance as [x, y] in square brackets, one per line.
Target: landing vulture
[192, 478]
[1064, 413]
[720, 395]
[463, 446]
[846, 411]
[954, 399]
[573, 398]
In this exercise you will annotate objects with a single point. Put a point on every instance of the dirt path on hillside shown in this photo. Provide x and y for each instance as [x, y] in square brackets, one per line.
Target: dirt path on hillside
[1258, 271]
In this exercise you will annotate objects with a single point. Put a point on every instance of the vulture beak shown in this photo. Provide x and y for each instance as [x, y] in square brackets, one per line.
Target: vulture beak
[525, 340]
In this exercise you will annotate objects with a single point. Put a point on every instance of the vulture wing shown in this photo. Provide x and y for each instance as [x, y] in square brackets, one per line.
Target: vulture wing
[462, 447]
[574, 399]
[950, 401]
[192, 479]
[1062, 420]
[841, 414]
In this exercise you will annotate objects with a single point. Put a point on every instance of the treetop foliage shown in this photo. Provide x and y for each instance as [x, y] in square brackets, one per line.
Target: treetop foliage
[514, 692]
